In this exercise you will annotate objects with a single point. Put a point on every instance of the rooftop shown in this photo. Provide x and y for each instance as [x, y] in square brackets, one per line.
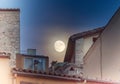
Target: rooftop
[31, 73]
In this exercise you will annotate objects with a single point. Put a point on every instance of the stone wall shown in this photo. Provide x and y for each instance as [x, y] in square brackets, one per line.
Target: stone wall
[82, 46]
[10, 32]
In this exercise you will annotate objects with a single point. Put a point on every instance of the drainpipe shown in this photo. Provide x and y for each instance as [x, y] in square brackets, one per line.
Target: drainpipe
[101, 70]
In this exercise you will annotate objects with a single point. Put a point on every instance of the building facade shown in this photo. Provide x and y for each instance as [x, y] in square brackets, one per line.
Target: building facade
[10, 33]
[96, 52]
[79, 44]
[100, 58]
[103, 59]
[9, 42]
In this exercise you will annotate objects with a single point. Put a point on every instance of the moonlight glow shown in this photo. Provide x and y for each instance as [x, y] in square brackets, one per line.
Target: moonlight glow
[59, 46]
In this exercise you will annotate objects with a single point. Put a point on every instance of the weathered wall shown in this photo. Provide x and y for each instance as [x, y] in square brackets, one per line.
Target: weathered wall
[10, 33]
[79, 51]
[82, 45]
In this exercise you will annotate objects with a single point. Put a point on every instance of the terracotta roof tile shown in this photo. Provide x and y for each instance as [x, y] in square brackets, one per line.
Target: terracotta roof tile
[46, 74]
[58, 76]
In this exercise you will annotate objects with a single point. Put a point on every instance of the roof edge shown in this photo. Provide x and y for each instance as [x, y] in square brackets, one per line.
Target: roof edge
[87, 33]
[27, 55]
[9, 9]
[32, 73]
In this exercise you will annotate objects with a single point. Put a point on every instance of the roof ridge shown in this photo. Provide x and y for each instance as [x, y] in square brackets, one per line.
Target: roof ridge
[84, 33]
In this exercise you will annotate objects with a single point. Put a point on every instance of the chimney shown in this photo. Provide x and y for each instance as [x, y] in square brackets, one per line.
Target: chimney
[31, 51]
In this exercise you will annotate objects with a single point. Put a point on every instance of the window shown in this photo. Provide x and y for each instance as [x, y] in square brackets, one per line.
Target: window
[39, 64]
[35, 63]
[28, 63]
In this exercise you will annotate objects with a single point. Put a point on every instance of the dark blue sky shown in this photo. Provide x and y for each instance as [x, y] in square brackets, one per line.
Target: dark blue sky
[45, 21]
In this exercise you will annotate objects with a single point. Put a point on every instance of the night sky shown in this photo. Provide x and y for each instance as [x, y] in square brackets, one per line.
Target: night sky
[45, 21]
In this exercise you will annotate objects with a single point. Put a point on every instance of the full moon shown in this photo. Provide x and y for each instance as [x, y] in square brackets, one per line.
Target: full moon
[59, 46]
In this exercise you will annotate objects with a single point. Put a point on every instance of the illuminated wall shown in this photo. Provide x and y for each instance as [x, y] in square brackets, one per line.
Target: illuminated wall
[5, 71]
[91, 68]
[103, 60]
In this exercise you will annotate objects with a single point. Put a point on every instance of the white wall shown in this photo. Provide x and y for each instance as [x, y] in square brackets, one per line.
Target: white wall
[110, 54]
[91, 68]
[111, 50]
[5, 71]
